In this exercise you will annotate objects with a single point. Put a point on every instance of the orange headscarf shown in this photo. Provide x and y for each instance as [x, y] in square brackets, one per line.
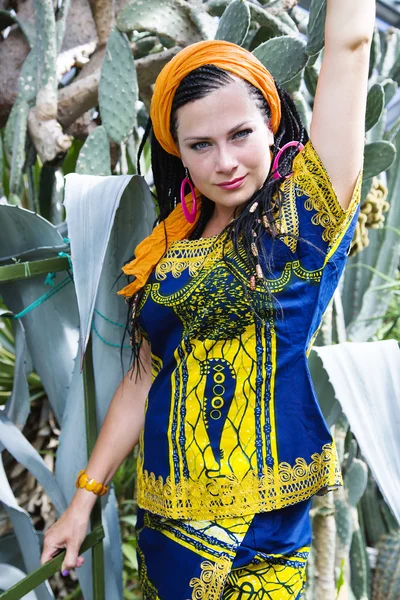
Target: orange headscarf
[222, 54]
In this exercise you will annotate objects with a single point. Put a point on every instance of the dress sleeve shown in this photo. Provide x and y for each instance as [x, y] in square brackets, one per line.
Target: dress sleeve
[311, 209]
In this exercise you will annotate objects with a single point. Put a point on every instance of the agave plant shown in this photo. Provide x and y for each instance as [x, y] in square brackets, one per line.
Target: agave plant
[109, 210]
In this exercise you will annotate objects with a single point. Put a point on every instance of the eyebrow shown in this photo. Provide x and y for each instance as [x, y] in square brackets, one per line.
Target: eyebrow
[199, 137]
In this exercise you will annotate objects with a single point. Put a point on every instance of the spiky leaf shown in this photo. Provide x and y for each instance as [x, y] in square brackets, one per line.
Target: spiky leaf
[375, 105]
[18, 152]
[316, 27]
[390, 88]
[272, 26]
[118, 89]
[283, 56]
[94, 157]
[355, 481]
[170, 18]
[378, 157]
[311, 79]
[27, 78]
[234, 23]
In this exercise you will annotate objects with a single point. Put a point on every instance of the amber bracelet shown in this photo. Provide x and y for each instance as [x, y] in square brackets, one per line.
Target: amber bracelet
[91, 485]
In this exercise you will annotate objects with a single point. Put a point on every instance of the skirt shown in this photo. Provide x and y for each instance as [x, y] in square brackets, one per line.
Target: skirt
[254, 557]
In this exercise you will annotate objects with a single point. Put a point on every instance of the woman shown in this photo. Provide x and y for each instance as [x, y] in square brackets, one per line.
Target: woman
[228, 294]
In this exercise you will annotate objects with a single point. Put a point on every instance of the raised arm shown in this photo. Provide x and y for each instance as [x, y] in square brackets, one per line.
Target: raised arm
[338, 122]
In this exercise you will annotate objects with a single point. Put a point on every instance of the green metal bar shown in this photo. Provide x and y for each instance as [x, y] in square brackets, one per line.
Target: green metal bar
[32, 268]
[91, 435]
[31, 581]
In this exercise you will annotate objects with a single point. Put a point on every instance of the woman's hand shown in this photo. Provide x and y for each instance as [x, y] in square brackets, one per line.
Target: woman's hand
[68, 532]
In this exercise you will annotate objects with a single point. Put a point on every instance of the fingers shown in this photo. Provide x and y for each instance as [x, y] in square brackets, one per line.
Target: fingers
[71, 557]
[49, 551]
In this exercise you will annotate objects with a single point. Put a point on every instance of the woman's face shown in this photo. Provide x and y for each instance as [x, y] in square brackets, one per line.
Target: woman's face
[223, 138]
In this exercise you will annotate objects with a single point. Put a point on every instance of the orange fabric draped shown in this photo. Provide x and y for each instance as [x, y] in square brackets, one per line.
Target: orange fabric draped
[227, 56]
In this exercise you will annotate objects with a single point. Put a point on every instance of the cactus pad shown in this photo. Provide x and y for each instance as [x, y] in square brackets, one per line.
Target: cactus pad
[283, 56]
[378, 157]
[316, 27]
[375, 106]
[170, 18]
[234, 23]
[94, 157]
[118, 89]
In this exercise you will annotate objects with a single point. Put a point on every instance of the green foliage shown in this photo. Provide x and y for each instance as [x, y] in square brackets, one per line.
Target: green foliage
[316, 27]
[170, 18]
[378, 157]
[18, 148]
[27, 78]
[235, 22]
[359, 567]
[46, 45]
[375, 105]
[118, 89]
[386, 582]
[94, 157]
[283, 56]
[270, 25]
[355, 481]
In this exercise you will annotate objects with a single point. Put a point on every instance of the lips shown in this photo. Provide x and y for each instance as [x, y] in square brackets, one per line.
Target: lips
[233, 184]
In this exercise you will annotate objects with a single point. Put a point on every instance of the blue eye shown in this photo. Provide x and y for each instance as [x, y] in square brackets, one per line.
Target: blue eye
[244, 133]
[199, 146]
[238, 135]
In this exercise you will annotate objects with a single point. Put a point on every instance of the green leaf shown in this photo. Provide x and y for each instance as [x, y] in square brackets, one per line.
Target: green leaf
[170, 18]
[316, 27]
[234, 23]
[378, 157]
[390, 88]
[375, 105]
[118, 88]
[284, 57]
[94, 157]
[311, 79]
[130, 553]
[272, 26]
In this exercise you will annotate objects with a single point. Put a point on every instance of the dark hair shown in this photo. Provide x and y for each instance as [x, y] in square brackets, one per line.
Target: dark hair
[168, 172]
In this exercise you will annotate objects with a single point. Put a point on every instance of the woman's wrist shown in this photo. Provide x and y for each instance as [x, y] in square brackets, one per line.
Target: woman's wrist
[83, 500]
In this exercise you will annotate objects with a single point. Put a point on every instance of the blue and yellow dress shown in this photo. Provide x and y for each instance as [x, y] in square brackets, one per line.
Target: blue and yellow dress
[234, 443]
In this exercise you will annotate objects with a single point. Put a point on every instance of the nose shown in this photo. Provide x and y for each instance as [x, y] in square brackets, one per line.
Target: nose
[226, 160]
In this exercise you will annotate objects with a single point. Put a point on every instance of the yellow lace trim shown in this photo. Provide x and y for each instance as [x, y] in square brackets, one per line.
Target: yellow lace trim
[229, 496]
[187, 254]
[211, 582]
[310, 177]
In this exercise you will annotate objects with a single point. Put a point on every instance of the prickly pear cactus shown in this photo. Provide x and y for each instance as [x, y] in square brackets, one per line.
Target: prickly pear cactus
[375, 105]
[378, 157]
[283, 56]
[386, 580]
[316, 27]
[235, 22]
[18, 149]
[94, 157]
[118, 89]
[170, 18]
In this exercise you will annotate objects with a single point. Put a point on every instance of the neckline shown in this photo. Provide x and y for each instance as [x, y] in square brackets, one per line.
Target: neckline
[199, 240]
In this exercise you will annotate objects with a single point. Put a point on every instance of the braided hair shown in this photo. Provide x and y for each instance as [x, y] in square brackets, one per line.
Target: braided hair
[262, 210]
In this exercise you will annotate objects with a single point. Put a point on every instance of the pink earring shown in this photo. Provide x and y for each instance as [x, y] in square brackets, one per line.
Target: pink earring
[190, 216]
[276, 174]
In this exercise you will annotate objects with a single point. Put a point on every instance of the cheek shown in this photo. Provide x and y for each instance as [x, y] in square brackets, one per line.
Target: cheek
[200, 168]
[258, 156]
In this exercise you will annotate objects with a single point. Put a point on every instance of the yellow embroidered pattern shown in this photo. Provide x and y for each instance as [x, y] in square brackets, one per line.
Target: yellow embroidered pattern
[289, 485]
[186, 254]
[311, 178]
[273, 577]
[211, 582]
